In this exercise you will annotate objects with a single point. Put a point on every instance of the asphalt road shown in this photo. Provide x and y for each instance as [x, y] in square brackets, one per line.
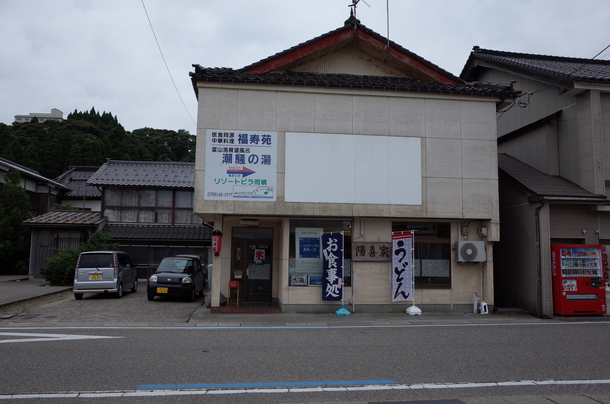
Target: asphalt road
[231, 361]
[131, 350]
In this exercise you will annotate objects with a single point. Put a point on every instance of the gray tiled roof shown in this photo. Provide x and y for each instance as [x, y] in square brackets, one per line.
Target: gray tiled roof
[158, 232]
[76, 180]
[541, 184]
[351, 81]
[552, 67]
[7, 165]
[66, 218]
[145, 174]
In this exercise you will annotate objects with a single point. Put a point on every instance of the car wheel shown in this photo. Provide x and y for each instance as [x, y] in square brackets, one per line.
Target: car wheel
[78, 296]
[150, 297]
[119, 292]
[135, 286]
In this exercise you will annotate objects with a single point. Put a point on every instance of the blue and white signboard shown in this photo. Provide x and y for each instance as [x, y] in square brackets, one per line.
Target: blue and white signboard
[309, 247]
[240, 165]
[332, 267]
[309, 252]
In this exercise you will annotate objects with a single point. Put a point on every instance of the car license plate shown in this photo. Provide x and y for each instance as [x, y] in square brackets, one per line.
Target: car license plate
[95, 277]
[161, 290]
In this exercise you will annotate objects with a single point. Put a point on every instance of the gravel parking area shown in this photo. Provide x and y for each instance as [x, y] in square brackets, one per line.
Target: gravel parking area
[99, 309]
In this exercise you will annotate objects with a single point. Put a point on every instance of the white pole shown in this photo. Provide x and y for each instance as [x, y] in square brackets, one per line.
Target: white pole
[342, 311]
[413, 310]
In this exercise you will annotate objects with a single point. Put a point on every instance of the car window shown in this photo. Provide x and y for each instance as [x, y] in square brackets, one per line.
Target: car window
[96, 260]
[188, 266]
[124, 260]
[175, 265]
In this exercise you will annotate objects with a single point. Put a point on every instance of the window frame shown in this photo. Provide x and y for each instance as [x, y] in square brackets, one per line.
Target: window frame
[136, 205]
[442, 237]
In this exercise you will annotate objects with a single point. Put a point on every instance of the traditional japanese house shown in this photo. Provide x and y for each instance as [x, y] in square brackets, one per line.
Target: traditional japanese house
[554, 176]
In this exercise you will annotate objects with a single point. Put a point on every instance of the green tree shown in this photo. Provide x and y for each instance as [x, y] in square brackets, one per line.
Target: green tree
[86, 151]
[6, 136]
[14, 152]
[60, 270]
[33, 155]
[14, 238]
[88, 138]
[54, 163]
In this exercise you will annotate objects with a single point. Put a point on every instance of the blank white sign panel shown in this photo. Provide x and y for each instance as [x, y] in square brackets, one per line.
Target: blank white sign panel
[328, 168]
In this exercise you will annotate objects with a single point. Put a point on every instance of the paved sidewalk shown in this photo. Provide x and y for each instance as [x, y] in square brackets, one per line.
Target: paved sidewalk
[17, 288]
[203, 318]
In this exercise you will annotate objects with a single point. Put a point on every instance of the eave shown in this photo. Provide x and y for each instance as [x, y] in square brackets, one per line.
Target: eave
[352, 30]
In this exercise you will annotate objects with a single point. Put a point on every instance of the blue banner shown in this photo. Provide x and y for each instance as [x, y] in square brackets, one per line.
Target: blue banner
[309, 247]
[332, 266]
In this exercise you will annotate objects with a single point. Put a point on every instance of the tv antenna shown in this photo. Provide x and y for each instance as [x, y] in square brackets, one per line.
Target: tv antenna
[355, 4]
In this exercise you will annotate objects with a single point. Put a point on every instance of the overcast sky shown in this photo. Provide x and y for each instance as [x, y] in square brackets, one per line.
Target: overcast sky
[77, 54]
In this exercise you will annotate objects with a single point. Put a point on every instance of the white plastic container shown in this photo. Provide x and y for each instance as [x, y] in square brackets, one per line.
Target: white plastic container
[483, 309]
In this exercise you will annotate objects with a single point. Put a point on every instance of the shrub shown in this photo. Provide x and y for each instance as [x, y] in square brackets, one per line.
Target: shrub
[60, 271]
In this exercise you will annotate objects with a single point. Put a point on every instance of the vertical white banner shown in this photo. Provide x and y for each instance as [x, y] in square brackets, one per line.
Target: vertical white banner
[402, 266]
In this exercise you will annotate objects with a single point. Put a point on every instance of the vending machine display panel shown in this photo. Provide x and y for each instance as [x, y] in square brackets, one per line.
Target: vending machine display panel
[578, 280]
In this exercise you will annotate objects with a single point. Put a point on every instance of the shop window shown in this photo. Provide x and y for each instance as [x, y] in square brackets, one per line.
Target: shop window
[431, 253]
[305, 266]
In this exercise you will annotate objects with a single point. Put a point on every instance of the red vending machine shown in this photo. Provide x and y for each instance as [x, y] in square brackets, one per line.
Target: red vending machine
[578, 279]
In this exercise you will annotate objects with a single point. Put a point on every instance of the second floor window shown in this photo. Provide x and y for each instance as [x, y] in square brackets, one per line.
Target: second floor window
[162, 206]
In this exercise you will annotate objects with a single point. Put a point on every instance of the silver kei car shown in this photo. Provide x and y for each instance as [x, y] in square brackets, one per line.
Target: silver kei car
[104, 272]
[181, 276]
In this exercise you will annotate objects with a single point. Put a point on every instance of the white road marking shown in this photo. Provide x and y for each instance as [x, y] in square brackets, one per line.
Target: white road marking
[44, 337]
[181, 392]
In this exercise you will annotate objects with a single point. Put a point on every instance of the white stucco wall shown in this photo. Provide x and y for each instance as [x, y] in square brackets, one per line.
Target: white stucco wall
[457, 137]
[459, 160]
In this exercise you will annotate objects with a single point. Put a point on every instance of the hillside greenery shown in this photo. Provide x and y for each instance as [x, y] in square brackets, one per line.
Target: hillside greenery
[89, 138]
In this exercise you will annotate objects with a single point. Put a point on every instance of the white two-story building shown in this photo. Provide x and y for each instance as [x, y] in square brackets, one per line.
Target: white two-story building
[348, 133]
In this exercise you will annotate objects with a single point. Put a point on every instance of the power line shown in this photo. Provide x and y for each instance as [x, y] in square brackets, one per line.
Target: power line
[571, 73]
[524, 104]
[166, 66]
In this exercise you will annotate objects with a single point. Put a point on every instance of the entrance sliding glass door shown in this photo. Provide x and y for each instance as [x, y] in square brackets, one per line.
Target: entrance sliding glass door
[251, 260]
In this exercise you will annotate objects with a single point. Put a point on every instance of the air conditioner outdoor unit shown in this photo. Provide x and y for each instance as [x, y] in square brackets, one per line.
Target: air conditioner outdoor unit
[471, 251]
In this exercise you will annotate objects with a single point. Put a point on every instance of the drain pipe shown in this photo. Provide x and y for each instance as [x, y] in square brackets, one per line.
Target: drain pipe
[538, 259]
